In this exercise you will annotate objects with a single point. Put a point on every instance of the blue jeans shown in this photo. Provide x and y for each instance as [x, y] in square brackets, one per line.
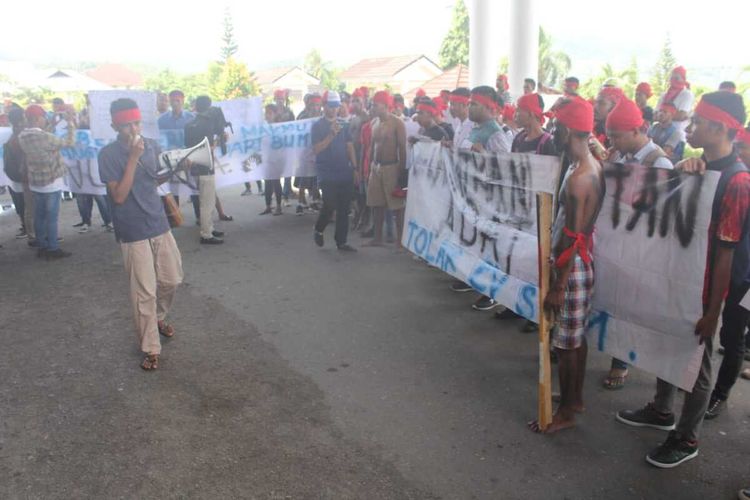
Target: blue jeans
[86, 207]
[46, 213]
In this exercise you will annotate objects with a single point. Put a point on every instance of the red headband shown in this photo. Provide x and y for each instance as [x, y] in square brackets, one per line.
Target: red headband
[645, 88]
[34, 111]
[316, 99]
[460, 99]
[509, 112]
[429, 109]
[530, 103]
[612, 93]
[484, 101]
[625, 116]
[743, 136]
[421, 93]
[382, 97]
[716, 114]
[126, 116]
[576, 114]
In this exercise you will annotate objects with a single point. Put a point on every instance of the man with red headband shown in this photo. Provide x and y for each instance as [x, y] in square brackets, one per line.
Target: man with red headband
[643, 93]
[388, 162]
[283, 112]
[152, 260]
[178, 117]
[46, 171]
[678, 94]
[503, 87]
[627, 133]
[666, 134]
[572, 284]
[715, 123]
[570, 88]
[606, 101]
[428, 114]
[459, 110]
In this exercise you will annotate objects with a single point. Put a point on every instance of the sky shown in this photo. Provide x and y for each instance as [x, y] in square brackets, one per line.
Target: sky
[185, 36]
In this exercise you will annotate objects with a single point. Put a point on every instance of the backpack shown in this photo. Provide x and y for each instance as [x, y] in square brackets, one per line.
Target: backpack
[14, 160]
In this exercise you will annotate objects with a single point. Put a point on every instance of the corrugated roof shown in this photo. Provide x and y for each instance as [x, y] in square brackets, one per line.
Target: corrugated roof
[116, 75]
[457, 76]
[379, 68]
[268, 76]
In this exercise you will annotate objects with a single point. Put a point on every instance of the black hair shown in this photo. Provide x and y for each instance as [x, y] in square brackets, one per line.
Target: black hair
[462, 91]
[531, 81]
[730, 103]
[727, 85]
[15, 116]
[398, 98]
[202, 103]
[272, 107]
[122, 104]
[58, 100]
[487, 91]
[572, 79]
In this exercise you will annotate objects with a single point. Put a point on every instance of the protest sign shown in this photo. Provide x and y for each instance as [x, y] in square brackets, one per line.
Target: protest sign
[101, 120]
[650, 251]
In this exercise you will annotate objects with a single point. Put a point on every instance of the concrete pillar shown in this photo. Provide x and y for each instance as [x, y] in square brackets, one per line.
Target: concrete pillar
[524, 44]
[483, 47]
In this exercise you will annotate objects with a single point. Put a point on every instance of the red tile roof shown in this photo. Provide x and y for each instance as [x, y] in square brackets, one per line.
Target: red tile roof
[116, 75]
[457, 76]
[379, 68]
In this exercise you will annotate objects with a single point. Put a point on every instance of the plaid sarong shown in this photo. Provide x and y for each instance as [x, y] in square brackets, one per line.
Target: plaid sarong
[571, 322]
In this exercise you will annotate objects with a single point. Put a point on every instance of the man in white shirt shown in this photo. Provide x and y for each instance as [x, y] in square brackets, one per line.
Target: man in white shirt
[678, 94]
[459, 109]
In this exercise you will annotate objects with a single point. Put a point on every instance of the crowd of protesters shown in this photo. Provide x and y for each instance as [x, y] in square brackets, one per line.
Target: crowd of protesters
[359, 149]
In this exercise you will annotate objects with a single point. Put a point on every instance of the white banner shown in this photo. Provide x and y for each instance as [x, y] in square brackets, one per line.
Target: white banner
[650, 265]
[474, 217]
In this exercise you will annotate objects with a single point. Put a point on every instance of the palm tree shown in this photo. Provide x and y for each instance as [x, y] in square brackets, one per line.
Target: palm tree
[553, 64]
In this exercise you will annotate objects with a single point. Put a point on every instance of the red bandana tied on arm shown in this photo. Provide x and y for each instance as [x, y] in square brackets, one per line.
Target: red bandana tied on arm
[530, 103]
[125, 116]
[624, 117]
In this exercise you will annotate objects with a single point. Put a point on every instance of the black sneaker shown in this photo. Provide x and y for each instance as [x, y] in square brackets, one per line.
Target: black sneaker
[300, 210]
[318, 237]
[346, 248]
[217, 234]
[484, 304]
[744, 494]
[461, 287]
[56, 254]
[529, 327]
[506, 314]
[80, 224]
[715, 407]
[646, 417]
[672, 452]
[211, 241]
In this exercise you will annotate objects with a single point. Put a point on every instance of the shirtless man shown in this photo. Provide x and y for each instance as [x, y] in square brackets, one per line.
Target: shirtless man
[388, 162]
[572, 284]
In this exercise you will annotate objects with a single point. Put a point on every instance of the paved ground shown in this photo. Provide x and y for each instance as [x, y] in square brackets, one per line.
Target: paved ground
[302, 373]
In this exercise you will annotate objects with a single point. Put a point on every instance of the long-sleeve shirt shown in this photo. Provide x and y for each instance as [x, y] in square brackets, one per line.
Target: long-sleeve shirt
[43, 160]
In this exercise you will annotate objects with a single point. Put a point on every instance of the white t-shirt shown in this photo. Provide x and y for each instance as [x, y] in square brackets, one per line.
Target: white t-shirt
[683, 102]
[641, 155]
[461, 131]
[57, 185]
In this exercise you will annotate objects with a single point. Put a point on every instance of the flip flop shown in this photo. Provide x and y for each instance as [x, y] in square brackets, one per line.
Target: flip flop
[165, 329]
[226, 218]
[614, 383]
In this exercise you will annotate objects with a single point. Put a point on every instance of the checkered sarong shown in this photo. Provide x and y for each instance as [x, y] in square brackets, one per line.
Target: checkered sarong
[571, 322]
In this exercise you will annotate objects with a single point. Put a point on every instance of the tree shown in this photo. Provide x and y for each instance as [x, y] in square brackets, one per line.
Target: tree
[626, 79]
[663, 68]
[229, 48]
[234, 81]
[319, 68]
[553, 64]
[455, 47]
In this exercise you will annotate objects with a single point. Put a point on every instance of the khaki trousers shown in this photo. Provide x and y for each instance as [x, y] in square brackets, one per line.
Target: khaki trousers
[154, 267]
[207, 197]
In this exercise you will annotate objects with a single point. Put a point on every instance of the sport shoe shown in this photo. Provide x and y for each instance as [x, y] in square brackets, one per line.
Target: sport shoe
[217, 234]
[108, 227]
[484, 304]
[266, 211]
[300, 210]
[56, 254]
[318, 237]
[84, 229]
[80, 224]
[21, 234]
[715, 407]
[461, 287]
[506, 313]
[646, 417]
[744, 494]
[211, 241]
[346, 248]
[277, 211]
[246, 192]
[672, 452]
[529, 327]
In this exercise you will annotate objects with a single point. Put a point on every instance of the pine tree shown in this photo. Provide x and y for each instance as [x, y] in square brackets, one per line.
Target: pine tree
[663, 68]
[455, 47]
[230, 45]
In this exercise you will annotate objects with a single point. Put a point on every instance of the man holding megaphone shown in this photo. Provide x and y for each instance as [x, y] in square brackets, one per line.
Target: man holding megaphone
[152, 260]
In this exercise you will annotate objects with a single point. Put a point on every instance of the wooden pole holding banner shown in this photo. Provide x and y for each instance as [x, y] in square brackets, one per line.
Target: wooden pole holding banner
[544, 205]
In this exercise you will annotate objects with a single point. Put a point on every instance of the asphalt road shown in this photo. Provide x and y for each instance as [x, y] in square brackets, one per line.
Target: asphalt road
[299, 372]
